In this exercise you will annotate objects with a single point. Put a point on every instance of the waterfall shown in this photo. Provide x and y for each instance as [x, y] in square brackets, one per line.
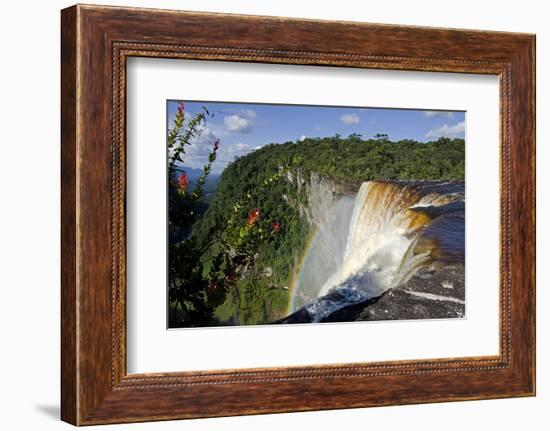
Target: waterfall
[380, 233]
[375, 247]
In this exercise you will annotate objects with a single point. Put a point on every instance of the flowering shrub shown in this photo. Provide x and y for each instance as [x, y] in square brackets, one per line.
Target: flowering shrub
[253, 216]
[201, 275]
[183, 182]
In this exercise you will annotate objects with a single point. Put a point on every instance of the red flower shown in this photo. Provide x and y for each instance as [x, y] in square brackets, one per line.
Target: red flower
[181, 108]
[253, 216]
[216, 145]
[183, 182]
[230, 278]
[276, 227]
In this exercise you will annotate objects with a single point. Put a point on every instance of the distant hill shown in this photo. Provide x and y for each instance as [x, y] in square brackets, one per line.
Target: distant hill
[211, 183]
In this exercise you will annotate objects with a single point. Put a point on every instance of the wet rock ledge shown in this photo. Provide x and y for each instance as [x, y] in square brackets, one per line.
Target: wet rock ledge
[429, 294]
[440, 295]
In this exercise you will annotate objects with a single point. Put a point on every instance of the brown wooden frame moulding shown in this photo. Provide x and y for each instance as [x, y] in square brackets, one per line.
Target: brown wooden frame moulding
[96, 41]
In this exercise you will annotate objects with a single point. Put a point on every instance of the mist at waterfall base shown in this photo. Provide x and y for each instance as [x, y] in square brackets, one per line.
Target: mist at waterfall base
[376, 240]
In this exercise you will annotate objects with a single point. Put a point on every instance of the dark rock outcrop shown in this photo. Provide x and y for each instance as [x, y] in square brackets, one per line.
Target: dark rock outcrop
[439, 295]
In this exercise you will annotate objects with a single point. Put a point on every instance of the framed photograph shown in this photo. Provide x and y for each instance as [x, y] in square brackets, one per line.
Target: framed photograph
[266, 215]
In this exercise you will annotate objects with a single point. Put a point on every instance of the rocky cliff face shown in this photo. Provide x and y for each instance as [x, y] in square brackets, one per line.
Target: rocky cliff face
[317, 195]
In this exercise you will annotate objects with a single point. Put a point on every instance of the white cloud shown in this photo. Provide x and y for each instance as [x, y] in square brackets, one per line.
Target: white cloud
[241, 122]
[217, 129]
[239, 147]
[434, 114]
[348, 119]
[200, 147]
[302, 137]
[229, 152]
[196, 154]
[452, 131]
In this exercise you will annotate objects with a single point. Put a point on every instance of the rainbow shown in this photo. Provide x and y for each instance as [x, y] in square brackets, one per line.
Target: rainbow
[297, 274]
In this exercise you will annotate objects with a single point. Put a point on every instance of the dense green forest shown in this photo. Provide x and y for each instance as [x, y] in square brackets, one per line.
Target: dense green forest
[260, 293]
[356, 159]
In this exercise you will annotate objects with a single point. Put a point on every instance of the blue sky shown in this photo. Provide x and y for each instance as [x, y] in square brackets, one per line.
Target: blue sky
[245, 127]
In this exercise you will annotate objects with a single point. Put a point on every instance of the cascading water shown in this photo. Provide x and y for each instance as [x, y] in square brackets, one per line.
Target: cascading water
[370, 244]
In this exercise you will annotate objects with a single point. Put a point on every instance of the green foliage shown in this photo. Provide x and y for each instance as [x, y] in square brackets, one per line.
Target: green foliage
[202, 273]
